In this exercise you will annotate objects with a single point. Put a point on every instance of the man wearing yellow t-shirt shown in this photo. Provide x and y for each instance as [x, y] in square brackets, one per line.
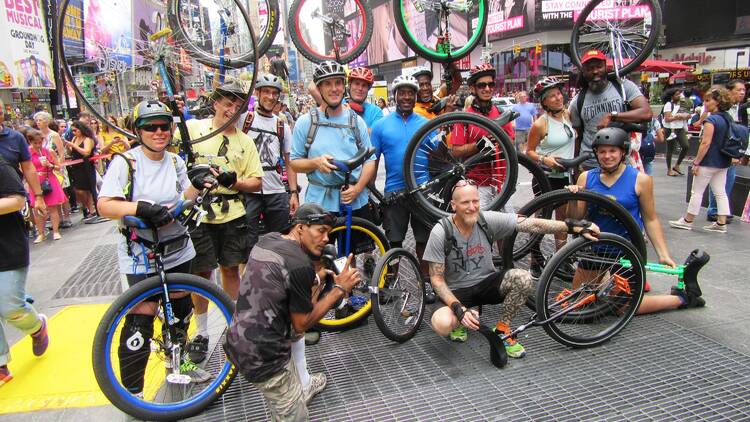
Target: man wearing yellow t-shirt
[425, 97]
[223, 237]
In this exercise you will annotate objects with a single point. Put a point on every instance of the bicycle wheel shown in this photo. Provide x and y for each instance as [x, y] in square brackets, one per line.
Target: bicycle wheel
[398, 295]
[531, 183]
[368, 244]
[162, 399]
[269, 18]
[601, 299]
[111, 76]
[626, 34]
[330, 29]
[432, 165]
[424, 25]
[533, 251]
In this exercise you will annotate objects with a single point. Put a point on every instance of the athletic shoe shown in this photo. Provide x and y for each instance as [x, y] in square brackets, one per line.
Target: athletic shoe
[40, 339]
[459, 334]
[89, 219]
[196, 373]
[681, 224]
[689, 300]
[94, 219]
[5, 375]
[66, 225]
[512, 347]
[312, 338]
[429, 293]
[75, 210]
[317, 385]
[56, 236]
[198, 348]
[716, 227]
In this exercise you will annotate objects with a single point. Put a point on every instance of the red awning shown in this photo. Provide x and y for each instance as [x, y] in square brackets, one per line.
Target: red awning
[658, 66]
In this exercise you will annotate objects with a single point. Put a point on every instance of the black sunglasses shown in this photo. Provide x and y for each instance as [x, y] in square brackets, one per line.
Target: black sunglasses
[165, 127]
[483, 85]
[324, 219]
[568, 131]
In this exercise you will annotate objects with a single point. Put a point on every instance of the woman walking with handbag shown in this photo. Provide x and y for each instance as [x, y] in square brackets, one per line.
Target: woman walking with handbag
[45, 163]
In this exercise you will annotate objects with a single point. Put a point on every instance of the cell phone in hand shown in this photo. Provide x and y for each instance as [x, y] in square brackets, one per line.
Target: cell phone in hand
[339, 264]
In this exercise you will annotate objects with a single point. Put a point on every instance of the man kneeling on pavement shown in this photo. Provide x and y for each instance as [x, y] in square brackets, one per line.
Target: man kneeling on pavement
[461, 270]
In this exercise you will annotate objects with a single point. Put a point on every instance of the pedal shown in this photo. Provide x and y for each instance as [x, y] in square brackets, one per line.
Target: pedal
[181, 379]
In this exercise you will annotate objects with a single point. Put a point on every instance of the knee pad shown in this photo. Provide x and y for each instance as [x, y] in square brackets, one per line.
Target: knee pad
[136, 334]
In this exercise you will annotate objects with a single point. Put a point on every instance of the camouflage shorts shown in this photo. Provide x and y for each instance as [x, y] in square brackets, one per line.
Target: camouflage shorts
[283, 394]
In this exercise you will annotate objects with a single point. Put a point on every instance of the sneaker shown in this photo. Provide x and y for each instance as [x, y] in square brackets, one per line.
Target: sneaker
[196, 373]
[317, 385]
[40, 339]
[429, 293]
[39, 239]
[5, 375]
[312, 338]
[95, 219]
[681, 224]
[88, 219]
[66, 225]
[512, 347]
[716, 227]
[459, 334]
[56, 236]
[689, 301]
[75, 210]
[198, 348]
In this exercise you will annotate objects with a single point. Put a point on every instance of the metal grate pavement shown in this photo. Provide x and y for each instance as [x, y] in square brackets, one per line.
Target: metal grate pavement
[653, 370]
[97, 275]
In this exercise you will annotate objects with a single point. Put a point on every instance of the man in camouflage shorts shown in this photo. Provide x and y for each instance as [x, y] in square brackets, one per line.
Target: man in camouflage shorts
[275, 306]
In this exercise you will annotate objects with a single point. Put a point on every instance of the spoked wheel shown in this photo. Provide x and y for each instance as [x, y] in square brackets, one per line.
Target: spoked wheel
[109, 80]
[170, 386]
[398, 295]
[602, 297]
[531, 183]
[533, 251]
[625, 33]
[368, 244]
[269, 18]
[330, 29]
[436, 29]
[444, 151]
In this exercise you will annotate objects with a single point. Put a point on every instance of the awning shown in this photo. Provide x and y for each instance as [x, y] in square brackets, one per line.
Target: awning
[659, 66]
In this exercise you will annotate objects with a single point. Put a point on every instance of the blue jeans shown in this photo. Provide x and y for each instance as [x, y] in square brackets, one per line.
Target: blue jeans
[648, 167]
[14, 309]
[731, 174]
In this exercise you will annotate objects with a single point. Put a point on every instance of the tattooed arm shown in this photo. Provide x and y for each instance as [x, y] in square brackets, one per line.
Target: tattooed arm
[544, 226]
[437, 278]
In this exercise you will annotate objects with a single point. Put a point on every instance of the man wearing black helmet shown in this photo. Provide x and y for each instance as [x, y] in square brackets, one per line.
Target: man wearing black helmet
[273, 139]
[426, 99]
[223, 238]
[635, 192]
[276, 305]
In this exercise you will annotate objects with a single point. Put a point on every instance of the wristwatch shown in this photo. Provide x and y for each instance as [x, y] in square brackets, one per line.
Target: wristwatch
[613, 115]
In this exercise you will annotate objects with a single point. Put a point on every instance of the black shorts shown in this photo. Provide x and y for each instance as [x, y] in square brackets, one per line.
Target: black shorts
[226, 244]
[185, 267]
[396, 219]
[486, 292]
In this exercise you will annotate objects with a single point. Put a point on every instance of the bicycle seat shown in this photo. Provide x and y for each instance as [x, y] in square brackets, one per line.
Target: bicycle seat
[175, 210]
[506, 116]
[569, 163]
[347, 166]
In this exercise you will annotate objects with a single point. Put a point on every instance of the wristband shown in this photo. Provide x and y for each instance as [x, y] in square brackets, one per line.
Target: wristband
[338, 286]
[458, 310]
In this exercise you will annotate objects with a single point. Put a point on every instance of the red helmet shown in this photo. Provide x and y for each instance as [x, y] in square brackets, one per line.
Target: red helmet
[477, 72]
[363, 74]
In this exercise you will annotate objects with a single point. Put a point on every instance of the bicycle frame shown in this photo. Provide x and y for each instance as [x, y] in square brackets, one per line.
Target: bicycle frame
[334, 26]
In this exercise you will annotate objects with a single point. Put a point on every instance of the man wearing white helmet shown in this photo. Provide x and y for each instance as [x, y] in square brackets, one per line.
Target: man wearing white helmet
[273, 139]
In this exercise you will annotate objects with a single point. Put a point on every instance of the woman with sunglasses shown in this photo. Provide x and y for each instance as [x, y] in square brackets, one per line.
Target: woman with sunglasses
[144, 182]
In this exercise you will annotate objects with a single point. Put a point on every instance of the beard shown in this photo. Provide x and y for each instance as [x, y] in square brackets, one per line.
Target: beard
[597, 87]
[469, 220]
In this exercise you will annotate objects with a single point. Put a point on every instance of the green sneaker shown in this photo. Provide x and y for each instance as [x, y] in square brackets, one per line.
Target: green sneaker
[512, 347]
[459, 334]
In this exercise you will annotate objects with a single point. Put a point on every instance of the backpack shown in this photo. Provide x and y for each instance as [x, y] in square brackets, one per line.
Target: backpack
[582, 95]
[736, 139]
[450, 242]
[648, 146]
[315, 123]
[247, 125]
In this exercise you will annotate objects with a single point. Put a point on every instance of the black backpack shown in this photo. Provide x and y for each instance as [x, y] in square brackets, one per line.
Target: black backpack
[450, 242]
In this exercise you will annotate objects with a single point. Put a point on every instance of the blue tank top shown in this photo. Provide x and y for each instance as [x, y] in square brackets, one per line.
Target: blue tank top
[623, 191]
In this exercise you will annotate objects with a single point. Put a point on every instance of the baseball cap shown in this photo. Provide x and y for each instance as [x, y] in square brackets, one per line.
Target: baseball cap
[311, 213]
[593, 55]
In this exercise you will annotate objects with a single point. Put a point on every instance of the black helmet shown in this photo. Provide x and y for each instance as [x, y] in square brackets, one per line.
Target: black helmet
[612, 136]
[233, 89]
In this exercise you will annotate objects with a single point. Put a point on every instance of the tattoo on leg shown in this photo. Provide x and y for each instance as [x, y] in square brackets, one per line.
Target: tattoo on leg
[515, 287]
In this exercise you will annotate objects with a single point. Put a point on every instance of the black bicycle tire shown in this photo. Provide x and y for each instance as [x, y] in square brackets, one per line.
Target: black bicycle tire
[356, 222]
[105, 325]
[424, 51]
[642, 55]
[548, 276]
[376, 307]
[538, 174]
[102, 118]
[307, 52]
[424, 207]
[265, 40]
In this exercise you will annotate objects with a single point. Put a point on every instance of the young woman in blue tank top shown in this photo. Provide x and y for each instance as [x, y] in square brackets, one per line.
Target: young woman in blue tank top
[635, 192]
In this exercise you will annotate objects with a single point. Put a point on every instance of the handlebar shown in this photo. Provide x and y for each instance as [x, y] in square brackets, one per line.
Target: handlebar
[347, 166]
[175, 210]
[570, 163]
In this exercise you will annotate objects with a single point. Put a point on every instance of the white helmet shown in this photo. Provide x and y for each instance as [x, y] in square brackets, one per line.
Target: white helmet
[404, 81]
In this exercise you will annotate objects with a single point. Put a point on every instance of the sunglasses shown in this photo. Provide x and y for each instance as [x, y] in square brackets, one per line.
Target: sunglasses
[483, 85]
[463, 182]
[165, 127]
[568, 131]
[313, 219]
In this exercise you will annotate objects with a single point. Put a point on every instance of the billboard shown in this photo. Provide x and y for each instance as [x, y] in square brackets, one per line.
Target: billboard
[386, 44]
[108, 33]
[24, 53]
[149, 16]
[562, 14]
[73, 29]
[508, 18]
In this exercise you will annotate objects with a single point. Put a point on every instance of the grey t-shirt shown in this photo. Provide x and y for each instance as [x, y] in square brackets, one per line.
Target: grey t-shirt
[473, 263]
[263, 133]
[161, 182]
[595, 106]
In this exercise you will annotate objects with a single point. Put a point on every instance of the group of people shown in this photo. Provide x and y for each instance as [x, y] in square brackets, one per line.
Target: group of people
[275, 278]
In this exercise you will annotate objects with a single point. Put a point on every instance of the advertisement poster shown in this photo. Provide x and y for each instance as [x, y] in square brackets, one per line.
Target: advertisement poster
[292, 61]
[562, 14]
[509, 18]
[24, 53]
[149, 16]
[73, 29]
[108, 33]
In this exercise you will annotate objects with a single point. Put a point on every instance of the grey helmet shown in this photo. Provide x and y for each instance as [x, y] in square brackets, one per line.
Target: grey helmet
[404, 81]
[268, 80]
[327, 70]
[232, 89]
[149, 110]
